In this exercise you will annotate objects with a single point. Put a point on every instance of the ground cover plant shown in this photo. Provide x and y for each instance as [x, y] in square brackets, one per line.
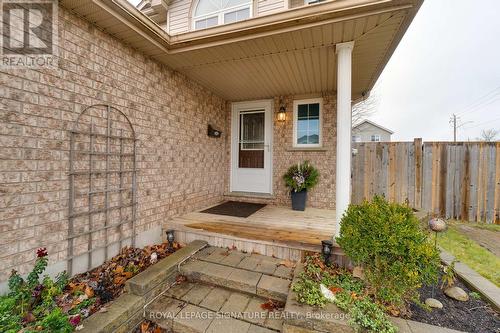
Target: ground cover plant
[39, 303]
[350, 295]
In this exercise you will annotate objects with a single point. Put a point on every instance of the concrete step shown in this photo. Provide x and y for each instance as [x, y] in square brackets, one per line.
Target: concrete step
[249, 261]
[248, 273]
[197, 307]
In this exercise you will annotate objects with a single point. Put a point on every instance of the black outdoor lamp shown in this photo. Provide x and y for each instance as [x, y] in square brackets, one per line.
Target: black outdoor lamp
[170, 239]
[282, 111]
[326, 250]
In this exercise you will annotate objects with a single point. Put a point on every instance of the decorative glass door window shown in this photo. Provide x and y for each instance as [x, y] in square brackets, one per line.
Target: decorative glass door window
[210, 13]
[252, 139]
[307, 123]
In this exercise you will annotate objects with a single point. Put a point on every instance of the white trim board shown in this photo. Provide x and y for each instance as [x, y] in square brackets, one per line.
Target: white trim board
[295, 115]
[250, 181]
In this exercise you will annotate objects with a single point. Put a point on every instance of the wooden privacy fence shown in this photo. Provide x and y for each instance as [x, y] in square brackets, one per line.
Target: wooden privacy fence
[459, 180]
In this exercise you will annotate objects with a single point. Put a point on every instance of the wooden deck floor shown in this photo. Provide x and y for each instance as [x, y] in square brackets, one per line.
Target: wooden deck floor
[272, 230]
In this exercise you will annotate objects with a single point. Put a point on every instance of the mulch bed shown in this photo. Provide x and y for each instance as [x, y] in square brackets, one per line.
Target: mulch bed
[89, 292]
[475, 315]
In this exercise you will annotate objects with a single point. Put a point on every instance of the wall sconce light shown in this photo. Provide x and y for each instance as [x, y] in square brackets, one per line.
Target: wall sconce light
[213, 133]
[282, 111]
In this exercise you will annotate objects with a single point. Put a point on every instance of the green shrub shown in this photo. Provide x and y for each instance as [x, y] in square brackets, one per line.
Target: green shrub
[301, 177]
[386, 239]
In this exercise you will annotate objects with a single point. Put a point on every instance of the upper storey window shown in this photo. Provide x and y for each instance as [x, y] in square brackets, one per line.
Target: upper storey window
[209, 13]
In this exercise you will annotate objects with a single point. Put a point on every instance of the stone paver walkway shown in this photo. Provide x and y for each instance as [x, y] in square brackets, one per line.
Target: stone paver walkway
[196, 307]
[225, 292]
[488, 239]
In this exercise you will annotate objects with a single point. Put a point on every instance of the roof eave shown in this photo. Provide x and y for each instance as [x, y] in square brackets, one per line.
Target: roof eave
[294, 19]
[374, 124]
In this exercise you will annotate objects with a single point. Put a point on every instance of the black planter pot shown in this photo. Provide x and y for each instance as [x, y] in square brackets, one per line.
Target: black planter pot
[299, 200]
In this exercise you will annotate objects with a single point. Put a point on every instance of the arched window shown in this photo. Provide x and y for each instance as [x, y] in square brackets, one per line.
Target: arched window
[209, 13]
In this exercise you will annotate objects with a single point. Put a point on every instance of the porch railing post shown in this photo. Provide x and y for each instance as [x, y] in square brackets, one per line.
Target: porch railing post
[344, 124]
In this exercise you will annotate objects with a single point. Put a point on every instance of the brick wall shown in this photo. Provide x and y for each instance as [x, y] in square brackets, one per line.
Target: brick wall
[180, 168]
[323, 195]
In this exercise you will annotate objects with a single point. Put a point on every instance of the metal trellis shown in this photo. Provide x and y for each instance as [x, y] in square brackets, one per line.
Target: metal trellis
[108, 124]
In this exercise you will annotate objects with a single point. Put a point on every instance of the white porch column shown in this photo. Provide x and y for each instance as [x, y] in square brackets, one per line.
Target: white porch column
[344, 124]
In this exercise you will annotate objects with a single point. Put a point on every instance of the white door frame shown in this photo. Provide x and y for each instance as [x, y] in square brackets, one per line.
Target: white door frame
[236, 108]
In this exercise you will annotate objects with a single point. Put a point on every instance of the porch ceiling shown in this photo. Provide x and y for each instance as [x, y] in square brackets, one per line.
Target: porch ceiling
[295, 62]
[288, 53]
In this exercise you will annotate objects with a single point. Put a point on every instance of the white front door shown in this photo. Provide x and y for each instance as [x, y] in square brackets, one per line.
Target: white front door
[251, 147]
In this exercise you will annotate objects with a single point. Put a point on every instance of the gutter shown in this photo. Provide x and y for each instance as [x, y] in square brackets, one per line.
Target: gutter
[290, 20]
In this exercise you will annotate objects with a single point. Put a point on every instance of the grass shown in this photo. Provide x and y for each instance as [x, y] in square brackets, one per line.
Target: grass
[471, 253]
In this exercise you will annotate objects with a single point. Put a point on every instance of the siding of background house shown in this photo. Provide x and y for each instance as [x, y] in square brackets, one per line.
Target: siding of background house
[366, 130]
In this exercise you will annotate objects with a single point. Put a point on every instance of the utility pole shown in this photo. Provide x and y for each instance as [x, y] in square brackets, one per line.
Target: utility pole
[454, 120]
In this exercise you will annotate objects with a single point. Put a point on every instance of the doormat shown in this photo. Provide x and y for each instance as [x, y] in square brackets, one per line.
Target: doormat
[235, 208]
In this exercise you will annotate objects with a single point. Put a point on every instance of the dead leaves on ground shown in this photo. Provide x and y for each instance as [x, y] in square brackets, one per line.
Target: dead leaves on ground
[287, 263]
[335, 290]
[394, 311]
[149, 327]
[272, 305]
[180, 279]
[89, 292]
[86, 293]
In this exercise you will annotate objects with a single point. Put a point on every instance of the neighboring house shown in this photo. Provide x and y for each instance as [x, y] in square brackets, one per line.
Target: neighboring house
[368, 131]
[276, 77]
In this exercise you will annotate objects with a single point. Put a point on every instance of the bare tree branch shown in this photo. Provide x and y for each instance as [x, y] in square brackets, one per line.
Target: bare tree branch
[365, 108]
[488, 135]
